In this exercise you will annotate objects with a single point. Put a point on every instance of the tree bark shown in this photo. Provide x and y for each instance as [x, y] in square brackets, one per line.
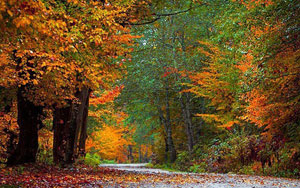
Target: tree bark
[166, 120]
[29, 121]
[83, 134]
[168, 124]
[61, 126]
[185, 107]
[140, 154]
[70, 125]
[162, 122]
[130, 156]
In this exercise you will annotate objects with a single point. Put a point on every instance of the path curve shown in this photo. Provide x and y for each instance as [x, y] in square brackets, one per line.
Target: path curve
[166, 179]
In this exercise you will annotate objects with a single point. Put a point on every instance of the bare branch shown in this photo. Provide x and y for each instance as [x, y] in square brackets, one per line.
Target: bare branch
[159, 16]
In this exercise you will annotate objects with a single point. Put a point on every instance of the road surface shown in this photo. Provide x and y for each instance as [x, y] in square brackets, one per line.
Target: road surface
[144, 177]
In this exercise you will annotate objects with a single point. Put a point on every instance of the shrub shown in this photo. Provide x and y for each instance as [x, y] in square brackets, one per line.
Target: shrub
[183, 161]
[244, 154]
[92, 159]
[45, 156]
[108, 161]
[198, 168]
[247, 170]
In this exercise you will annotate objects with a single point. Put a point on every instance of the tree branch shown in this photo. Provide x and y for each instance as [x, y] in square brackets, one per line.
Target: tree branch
[159, 16]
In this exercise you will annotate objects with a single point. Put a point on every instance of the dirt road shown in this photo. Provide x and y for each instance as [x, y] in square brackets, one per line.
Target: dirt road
[165, 179]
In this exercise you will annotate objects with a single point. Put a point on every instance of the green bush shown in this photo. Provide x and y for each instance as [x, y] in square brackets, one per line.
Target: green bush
[247, 170]
[183, 161]
[108, 161]
[167, 166]
[244, 154]
[45, 156]
[92, 159]
[198, 168]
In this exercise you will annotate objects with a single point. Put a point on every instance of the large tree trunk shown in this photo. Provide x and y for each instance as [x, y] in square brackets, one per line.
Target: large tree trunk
[29, 121]
[70, 125]
[61, 126]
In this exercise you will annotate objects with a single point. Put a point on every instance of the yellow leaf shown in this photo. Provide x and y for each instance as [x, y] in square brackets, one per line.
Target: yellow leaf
[10, 13]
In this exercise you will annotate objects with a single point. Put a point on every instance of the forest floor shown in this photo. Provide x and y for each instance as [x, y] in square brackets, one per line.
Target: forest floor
[136, 175]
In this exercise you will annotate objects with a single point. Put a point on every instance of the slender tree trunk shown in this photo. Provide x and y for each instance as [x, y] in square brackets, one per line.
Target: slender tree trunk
[140, 154]
[185, 107]
[166, 121]
[130, 156]
[190, 123]
[29, 121]
[146, 155]
[168, 124]
[198, 128]
[83, 134]
[162, 122]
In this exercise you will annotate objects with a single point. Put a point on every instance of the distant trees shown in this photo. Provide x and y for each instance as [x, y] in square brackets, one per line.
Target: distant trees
[229, 65]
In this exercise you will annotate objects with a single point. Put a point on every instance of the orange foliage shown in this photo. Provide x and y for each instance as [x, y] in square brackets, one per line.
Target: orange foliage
[276, 103]
[274, 80]
[45, 140]
[106, 97]
[250, 4]
[61, 50]
[109, 142]
[262, 88]
[8, 126]
[215, 83]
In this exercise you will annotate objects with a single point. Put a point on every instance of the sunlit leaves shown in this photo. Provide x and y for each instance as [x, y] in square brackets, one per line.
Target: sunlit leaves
[109, 142]
[70, 45]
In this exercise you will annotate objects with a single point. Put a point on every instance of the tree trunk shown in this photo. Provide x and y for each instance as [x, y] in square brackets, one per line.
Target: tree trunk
[29, 121]
[83, 134]
[70, 125]
[140, 154]
[130, 156]
[70, 153]
[198, 128]
[166, 120]
[64, 134]
[162, 122]
[146, 155]
[170, 142]
[185, 107]
[61, 127]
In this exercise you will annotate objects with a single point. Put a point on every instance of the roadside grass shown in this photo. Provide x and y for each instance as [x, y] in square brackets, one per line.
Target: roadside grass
[166, 166]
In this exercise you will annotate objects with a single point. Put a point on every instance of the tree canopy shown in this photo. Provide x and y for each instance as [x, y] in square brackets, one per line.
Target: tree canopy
[202, 86]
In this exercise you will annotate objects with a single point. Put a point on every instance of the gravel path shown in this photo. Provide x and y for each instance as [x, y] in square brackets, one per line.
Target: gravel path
[165, 179]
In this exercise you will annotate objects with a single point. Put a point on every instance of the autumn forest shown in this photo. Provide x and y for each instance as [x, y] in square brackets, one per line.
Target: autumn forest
[202, 86]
